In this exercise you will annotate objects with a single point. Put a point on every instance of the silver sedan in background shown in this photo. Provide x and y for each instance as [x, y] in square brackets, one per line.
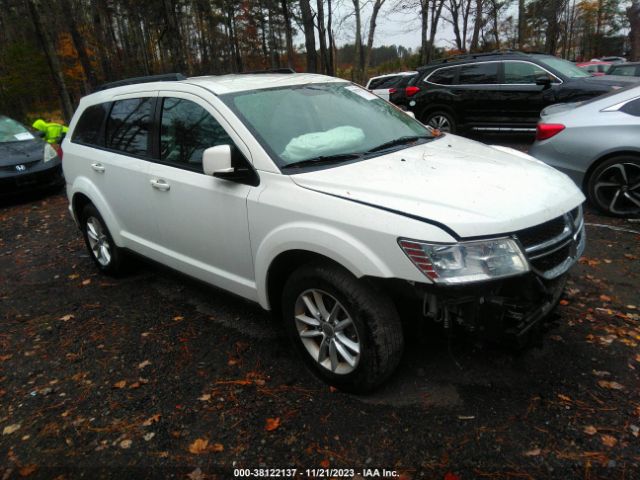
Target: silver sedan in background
[597, 143]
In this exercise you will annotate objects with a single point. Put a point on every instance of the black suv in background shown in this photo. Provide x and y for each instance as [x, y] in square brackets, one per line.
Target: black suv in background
[499, 91]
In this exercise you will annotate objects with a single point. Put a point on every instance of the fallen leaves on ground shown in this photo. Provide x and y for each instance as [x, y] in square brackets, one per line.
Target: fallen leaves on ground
[272, 424]
[608, 440]
[120, 384]
[9, 429]
[151, 420]
[141, 365]
[610, 385]
[590, 430]
[532, 453]
[201, 445]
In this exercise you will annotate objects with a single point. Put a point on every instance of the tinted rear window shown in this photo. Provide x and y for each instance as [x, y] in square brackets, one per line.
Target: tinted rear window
[445, 76]
[626, 70]
[479, 73]
[87, 130]
[129, 125]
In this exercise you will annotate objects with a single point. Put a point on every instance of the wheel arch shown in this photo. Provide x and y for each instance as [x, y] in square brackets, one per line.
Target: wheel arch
[84, 193]
[437, 107]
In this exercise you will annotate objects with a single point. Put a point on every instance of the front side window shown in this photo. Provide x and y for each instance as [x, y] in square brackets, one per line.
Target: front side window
[479, 74]
[632, 108]
[186, 131]
[385, 82]
[627, 71]
[129, 125]
[303, 122]
[87, 130]
[524, 73]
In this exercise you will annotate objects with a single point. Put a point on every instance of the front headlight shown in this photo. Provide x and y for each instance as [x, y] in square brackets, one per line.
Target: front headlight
[49, 153]
[466, 261]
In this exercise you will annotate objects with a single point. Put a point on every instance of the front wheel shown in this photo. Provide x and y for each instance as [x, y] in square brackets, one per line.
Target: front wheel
[614, 186]
[349, 334]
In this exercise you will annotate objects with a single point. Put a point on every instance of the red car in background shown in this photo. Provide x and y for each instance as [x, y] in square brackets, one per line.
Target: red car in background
[595, 68]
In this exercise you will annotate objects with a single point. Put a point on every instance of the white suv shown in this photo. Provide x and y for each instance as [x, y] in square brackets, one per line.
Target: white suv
[326, 205]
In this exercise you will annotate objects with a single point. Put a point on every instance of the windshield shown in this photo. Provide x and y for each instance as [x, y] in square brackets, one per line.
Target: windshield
[566, 68]
[12, 131]
[302, 122]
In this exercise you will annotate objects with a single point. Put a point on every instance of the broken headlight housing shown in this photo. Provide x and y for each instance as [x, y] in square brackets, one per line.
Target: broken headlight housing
[466, 262]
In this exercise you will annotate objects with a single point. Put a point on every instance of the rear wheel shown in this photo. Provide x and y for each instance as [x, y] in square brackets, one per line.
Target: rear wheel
[614, 186]
[348, 334]
[440, 120]
[107, 256]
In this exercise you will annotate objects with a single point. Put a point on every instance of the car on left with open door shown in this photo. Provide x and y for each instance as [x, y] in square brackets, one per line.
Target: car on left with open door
[27, 163]
[328, 206]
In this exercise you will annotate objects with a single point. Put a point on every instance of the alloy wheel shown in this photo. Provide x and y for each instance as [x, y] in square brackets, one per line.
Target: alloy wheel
[617, 188]
[440, 122]
[327, 331]
[98, 241]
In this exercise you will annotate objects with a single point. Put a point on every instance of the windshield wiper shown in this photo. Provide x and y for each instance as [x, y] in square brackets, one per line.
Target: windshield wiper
[398, 141]
[324, 160]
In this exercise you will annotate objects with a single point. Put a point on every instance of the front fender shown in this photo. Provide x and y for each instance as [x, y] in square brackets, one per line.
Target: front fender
[330, 242]
[84, 186]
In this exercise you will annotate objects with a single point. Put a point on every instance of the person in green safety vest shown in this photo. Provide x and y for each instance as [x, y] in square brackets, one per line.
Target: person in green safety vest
[52, 131]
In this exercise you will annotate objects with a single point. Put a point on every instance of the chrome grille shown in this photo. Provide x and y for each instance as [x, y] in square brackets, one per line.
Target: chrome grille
[552, 247]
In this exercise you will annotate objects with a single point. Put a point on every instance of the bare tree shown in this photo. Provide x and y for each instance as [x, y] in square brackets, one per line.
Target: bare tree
[377, 5]
[309, 36]
[633, 14]
[284, 5]
[477, 26]
[322, 35]
[359, 54]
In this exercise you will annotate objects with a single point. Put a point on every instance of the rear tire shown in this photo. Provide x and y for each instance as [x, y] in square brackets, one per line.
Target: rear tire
[614, 186]
[348, 333]
[440, 120]
[107, 256]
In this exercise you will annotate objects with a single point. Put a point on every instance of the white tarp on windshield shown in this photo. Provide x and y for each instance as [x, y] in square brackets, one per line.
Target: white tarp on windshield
[343, 139]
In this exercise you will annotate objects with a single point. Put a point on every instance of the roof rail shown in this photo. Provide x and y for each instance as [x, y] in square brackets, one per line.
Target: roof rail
[166, 77]
[269, 70]
[468, 56]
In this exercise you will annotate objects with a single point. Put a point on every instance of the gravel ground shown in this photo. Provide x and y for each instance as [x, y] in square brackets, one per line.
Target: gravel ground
[155, 375]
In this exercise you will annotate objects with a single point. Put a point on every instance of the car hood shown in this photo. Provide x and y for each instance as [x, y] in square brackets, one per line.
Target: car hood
[469, 187]
[15, 153]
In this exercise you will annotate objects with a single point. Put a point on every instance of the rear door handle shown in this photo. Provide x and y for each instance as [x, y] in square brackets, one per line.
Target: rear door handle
[160, 184]
[98, 167]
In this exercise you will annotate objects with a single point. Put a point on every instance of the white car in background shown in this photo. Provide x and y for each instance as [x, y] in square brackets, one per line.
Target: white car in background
[384, 84]
[326, 205]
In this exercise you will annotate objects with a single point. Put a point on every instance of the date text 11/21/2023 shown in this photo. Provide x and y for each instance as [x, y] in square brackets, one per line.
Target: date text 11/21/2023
[315, 473]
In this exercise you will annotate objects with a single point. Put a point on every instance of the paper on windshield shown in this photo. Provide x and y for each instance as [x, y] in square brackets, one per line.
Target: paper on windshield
[345, 139]
[23, 136]
[367, 95]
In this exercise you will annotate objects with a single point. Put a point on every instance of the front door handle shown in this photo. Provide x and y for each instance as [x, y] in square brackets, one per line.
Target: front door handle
[98, 167]
[160, 184]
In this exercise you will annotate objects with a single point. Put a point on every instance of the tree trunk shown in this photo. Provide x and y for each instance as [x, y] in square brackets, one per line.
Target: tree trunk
[424, 32]
[274, 54]
[372, 29]
[358, 69]
[633, 14]
[436, 11]
[52, 58]
[322, 35]
[79, 43]
[309, 36]
[477, 26]
[332, 46]
[521, 25]
[101, 39]
[288, 33]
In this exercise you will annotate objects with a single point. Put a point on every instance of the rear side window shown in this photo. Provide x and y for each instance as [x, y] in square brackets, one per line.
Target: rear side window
[386, 82]
[479, 74]
[523, 73]
[87, 130]
[444, 76]
[632, 108]
[186, 131]
[129, 124]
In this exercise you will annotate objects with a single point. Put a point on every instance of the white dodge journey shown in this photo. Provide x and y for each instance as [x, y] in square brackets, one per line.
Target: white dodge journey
[326, 205]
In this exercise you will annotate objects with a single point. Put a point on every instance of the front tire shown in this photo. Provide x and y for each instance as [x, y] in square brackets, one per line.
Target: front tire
[614, 186]
[348, 333]
[107, 256]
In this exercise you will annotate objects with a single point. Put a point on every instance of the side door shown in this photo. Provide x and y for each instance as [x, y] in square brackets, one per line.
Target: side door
[202, 219]
[478, 91]
[121, 168]
[522, 98]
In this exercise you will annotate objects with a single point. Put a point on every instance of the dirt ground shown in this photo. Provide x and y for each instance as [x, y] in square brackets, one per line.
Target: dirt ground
[154, 376]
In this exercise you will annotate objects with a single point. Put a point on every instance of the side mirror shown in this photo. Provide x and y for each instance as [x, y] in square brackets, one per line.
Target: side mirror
[543, 81]
[216, 161]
